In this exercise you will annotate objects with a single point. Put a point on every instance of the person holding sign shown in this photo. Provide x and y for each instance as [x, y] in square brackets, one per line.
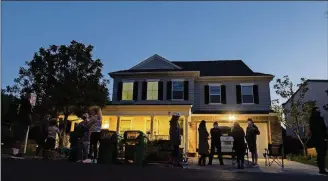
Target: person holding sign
[21, 125]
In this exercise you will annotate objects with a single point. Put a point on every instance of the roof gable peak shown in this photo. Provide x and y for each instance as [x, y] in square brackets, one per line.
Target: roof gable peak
[155, 62]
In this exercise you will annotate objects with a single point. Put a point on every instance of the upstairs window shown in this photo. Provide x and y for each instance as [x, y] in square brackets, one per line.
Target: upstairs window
[127, 91]
[215, 94]
[152, 90]
[247, 94]
[177, 90]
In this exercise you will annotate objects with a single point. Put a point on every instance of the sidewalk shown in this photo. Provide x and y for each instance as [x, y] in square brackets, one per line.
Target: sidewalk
[290, 167]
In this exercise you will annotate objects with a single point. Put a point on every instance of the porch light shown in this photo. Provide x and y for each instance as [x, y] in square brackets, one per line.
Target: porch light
[232, 117]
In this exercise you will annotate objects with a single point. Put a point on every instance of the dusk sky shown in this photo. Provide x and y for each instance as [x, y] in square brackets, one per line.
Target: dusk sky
[280, 38]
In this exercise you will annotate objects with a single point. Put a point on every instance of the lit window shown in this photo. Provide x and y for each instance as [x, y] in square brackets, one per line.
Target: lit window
[125, 125]
[247, 94]
[177, 90]
[152, 90]
[215, 94]
[127, 91]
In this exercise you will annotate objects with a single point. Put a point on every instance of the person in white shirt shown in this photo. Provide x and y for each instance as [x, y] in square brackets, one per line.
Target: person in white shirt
[95, 128]
[53, 131]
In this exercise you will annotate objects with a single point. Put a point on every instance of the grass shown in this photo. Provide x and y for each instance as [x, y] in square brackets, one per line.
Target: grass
[305, 159]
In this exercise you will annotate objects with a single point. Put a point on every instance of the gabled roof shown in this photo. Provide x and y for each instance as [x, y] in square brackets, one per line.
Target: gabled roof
[206, 68]
[165, 64]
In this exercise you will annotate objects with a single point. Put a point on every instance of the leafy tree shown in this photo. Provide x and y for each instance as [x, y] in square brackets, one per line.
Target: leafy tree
[65, 78]
[296, 114]
[325, 107]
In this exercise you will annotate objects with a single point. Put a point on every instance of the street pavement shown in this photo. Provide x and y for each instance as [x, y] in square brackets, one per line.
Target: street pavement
[39, 170]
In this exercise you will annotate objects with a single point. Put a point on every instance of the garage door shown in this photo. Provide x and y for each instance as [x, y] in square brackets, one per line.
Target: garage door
[262, 139]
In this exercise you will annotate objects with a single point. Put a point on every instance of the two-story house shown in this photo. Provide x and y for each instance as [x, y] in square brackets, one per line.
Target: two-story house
[145, 95]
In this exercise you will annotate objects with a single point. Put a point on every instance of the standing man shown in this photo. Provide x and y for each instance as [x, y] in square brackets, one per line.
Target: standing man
[175, 138]
[215, 143]
[251, 133]
[318, 130]
[22, 123]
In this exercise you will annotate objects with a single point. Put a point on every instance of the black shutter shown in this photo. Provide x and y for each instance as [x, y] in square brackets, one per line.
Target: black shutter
[223, 94]
[256, 94]
[169, 90]
[135, 91]
[119, 91]
[160, 90]
[206, 94]
[144, 90]
[238, 94]
[186, 90]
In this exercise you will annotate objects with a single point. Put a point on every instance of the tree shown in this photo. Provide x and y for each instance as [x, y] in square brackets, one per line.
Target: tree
[9, 107]
[325, 107]
[65, 79]
[296, 114]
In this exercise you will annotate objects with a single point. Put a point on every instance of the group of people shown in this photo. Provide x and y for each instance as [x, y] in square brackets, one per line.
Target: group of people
[46, 131]
[239, 144]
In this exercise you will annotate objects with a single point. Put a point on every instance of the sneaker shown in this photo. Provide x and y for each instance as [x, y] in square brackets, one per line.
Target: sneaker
[17, 156]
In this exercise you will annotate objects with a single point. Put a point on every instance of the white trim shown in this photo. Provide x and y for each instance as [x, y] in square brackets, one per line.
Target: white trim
[246, 84]
[152, 80]
[214, 84]
[129, 81]
[177, 80]
[215, 103]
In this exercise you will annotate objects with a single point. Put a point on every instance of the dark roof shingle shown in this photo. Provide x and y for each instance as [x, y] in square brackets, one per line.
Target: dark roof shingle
[207, 68]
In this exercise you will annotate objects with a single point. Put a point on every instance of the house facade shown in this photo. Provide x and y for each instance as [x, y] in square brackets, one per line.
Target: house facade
[317, 91]
[145, 95]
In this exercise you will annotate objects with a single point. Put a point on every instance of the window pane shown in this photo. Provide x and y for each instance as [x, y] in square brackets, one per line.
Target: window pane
[215, 89]
[152, 95]
[177, 94]
[247, 90]
[152, 90]
[177, 86]
[247, 99]
[215, 99]
[127, 91]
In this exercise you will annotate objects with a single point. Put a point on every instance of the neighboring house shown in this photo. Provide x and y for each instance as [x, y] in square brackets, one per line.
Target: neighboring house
[145, 95]
[316, 92]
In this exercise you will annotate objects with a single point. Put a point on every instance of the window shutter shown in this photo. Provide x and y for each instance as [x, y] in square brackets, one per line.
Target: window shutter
[207, 94]
[238, 94]
[186, 90]
[119, 91]
[135, 91]
[144, 90]
[223, 94]
[160, 90]
[169, 90]
[256, 94]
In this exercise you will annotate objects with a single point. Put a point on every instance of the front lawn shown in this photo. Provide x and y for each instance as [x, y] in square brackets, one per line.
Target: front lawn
[305, 159]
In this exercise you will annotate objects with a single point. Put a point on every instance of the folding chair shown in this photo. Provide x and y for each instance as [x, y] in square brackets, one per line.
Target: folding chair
[273, 155]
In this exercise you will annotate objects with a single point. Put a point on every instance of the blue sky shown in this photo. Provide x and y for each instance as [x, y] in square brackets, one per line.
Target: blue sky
[271, 37]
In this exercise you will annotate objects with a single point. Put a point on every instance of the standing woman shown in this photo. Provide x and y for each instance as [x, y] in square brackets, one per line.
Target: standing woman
[95, 128]
[203, 146]
[239, 145]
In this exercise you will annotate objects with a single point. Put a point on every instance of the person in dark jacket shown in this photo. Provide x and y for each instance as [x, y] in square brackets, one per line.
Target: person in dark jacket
[40, 133]
[251, 133]
[175, 138]
[239, 145]
[203, 146]
[318, 130]
[215, 143]
[20, 126]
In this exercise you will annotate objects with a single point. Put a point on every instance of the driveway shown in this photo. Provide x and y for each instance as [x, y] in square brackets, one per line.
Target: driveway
[38, 170]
